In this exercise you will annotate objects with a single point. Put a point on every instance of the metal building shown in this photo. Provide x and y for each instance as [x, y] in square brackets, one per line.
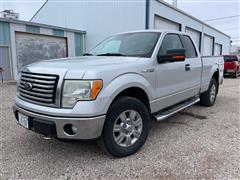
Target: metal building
[102, 18]
[22, 43]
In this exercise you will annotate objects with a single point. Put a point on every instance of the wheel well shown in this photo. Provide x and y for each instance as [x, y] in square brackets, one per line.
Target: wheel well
[137, 93]
[216, 76]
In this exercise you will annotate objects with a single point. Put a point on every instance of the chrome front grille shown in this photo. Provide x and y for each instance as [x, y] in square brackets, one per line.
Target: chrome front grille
[39, 88]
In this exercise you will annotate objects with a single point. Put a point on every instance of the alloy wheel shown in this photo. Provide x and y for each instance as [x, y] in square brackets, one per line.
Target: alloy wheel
[127, 128]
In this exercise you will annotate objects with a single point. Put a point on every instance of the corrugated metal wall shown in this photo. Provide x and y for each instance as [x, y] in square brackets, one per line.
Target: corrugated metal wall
[58, 32]
[5, 33]
[74, 44]
[78, 44]
[99, 18]
[32, 29]
[166, 11]
[5, 55]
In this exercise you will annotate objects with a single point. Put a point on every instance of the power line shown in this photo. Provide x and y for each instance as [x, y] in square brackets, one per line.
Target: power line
[235, 37]
[226, 17]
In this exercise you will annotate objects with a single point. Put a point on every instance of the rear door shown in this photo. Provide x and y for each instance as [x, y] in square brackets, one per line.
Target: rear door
[194, 64]
[173, 82]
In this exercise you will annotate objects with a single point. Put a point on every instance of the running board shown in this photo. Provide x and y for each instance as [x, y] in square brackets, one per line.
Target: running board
[170, 111]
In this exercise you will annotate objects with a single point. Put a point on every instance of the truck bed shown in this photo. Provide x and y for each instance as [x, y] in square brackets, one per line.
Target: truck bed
[210, 63]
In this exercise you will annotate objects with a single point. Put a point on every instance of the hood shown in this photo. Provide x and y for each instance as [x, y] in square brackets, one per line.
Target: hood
[79, 65]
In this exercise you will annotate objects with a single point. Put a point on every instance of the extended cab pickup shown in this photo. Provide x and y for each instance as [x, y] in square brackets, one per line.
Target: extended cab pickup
[111, 93]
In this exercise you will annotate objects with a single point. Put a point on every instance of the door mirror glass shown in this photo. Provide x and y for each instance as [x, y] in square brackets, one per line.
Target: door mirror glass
[172, 55]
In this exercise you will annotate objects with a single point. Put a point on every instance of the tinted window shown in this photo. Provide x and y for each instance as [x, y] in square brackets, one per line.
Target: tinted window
[190, 49]
[170, 41]
[140, 44]
[230, 58]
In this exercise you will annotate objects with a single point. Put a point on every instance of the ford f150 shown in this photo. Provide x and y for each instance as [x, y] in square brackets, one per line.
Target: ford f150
[111, 93]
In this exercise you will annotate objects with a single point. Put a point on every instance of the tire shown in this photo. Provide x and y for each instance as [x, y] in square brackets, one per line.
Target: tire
[208, 98]
[126, 139]
[235, 75]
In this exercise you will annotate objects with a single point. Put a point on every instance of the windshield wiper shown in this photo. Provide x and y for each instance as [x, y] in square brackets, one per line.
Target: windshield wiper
[111, 54]
[87, 54]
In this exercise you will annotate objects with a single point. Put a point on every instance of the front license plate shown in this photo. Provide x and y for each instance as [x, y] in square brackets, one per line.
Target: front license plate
[23, 120]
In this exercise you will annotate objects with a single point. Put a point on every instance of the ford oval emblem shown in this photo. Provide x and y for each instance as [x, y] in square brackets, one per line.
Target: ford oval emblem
[27, 86]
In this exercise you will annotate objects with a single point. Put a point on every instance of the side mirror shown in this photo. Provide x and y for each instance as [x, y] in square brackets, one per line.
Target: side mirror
[172, 55]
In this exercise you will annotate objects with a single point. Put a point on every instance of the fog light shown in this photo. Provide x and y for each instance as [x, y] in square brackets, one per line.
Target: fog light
[74, 129]
[70, 129]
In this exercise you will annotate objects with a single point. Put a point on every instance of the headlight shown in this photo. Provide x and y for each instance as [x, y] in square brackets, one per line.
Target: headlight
[79, 90]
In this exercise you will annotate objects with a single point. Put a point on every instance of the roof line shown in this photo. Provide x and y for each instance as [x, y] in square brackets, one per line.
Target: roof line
[38, 10]
[183, 12]
[160, 1]
[40, 25]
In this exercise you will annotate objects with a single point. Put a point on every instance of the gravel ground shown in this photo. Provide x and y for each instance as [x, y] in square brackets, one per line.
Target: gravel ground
[197, 143]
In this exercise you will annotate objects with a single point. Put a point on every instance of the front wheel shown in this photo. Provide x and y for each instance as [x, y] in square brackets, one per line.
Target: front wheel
[126, 127]
[208, 98]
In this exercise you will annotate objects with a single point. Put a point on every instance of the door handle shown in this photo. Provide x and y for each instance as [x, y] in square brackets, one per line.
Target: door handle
[187, 67]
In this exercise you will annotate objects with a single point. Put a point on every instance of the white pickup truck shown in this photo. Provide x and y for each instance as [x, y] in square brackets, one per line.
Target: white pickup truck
[111, 93]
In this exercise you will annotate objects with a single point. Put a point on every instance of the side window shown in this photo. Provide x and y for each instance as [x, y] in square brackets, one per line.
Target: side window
[170, 41]
[190, 49]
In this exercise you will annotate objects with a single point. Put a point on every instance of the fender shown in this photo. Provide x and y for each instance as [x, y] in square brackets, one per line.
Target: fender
[208, 71]
[125, 81]
[215, 68]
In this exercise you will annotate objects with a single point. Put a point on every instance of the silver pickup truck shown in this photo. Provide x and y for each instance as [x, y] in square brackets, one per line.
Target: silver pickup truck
[112, 92]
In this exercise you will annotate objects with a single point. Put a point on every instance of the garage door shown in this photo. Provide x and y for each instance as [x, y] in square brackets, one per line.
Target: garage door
[161, 23]
[33, 47]
[207, 45]
[5, 63]
[218, 49]
[196, 36]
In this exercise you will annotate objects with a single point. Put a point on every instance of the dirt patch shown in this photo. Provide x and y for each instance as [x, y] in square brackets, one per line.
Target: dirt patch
[197, 116]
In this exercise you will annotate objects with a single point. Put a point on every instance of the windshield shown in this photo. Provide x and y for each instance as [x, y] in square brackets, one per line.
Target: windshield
[139, 44]
[230, 58]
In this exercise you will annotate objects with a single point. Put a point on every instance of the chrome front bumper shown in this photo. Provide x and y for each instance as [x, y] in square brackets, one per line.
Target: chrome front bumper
[87, 128]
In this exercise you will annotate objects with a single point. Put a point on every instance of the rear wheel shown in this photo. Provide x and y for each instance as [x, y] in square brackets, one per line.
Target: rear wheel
[235, 75]
[208, 98]
[126, 127]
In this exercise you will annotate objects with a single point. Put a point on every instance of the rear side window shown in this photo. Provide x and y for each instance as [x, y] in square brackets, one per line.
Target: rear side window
[170, 41]
[190, 49]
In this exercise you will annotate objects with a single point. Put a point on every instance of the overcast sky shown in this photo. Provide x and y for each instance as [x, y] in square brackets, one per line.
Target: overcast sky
[201, 9]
